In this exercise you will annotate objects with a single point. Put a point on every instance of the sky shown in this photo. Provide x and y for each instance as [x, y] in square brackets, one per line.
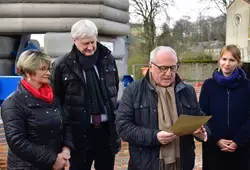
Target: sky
[181, 8]
[191, 8]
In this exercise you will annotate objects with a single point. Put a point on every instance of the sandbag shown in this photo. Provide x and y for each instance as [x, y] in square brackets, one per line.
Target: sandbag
[119, 4]
[43, 25]
[58, 44]
[42, 10]
[7, 67]
[7, 46]
[116, 45]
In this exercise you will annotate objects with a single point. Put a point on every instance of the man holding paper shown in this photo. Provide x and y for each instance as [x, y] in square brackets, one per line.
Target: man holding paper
[148, 110]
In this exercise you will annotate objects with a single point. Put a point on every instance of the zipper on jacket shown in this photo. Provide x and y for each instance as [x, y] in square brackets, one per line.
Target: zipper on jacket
[181, 109]
[181, 143]
[228, 100]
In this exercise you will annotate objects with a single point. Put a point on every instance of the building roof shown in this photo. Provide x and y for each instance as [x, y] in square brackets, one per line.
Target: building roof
[247, 1]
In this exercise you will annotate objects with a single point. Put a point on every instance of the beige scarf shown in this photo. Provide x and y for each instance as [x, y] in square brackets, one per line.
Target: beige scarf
[167, 116]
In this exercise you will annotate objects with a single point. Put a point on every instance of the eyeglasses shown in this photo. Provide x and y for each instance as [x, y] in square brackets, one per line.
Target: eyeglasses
[44, 69]
[164, 69]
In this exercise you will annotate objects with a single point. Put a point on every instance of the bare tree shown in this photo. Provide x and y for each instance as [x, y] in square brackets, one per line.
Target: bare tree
[146, 12]
[220, 5]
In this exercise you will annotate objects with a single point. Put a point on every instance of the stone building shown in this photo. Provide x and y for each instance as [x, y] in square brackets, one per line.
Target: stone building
[238, 26]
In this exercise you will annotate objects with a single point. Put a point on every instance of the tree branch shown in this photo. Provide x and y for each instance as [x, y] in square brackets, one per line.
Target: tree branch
[216, 3]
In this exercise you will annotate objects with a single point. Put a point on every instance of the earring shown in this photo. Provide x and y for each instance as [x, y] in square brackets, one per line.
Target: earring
[28, 79]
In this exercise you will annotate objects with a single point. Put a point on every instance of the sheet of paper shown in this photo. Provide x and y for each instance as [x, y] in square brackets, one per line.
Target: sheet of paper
[187, 124]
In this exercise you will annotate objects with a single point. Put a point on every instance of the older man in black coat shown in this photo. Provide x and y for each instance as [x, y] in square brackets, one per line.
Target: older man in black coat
[86, 82]
[149, 107]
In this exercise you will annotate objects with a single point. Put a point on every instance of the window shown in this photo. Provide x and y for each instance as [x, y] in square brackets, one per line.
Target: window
[237, 20]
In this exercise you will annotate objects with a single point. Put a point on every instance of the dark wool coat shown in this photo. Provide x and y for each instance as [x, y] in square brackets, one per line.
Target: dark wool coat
[230, 111]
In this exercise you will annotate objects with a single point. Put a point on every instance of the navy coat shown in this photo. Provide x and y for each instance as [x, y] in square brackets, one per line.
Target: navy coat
[230, 111]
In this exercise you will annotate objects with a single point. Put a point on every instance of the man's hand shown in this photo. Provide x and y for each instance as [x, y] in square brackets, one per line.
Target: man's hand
[201, 133]
[165, 137]
[231, 147]
[60, 162]
[66, 156]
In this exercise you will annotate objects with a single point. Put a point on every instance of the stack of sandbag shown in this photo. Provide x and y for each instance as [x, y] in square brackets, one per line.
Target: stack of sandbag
[41, 16]
[8, 49]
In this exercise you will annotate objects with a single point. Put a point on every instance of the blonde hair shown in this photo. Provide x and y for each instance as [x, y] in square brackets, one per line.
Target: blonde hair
[234, 50]
[30, 60]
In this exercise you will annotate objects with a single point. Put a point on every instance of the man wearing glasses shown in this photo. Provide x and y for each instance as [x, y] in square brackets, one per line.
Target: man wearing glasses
[149, 107]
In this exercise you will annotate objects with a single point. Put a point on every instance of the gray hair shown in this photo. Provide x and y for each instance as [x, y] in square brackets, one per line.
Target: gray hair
[154, 52]
[84, 29]
[30, 60]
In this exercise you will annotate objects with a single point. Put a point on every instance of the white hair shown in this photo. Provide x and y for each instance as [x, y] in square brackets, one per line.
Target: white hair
[84, 29]
[154, 52]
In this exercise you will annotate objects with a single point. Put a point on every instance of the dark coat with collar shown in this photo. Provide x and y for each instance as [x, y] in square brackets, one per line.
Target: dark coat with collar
[68, 84]
[34, 131]
[230, 111]
[137, 123]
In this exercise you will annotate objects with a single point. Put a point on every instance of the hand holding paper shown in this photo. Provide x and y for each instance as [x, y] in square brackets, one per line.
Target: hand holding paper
[165, 137]
[201, 133]
[187, 124]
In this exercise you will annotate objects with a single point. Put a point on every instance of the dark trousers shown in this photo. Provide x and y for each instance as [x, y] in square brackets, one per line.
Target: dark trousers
[100, 152]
